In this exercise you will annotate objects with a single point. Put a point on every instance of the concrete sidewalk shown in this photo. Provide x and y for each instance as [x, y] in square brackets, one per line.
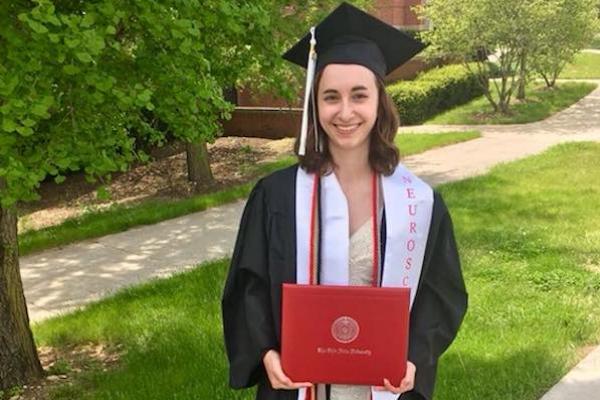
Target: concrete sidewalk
[581, 383]
[61, 279]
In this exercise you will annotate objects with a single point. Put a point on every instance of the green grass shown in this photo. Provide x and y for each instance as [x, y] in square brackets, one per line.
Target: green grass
[119, 218]
[540, 103]
[413, 143]
[171, 332]
[585, 66]
[530, 246]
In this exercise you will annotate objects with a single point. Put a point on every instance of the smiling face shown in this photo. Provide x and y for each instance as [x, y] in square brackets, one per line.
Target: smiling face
[347, 100]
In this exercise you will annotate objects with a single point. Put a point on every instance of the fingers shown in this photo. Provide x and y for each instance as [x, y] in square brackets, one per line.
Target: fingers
[391, 388]
[277, 378]
[298, 385]
[407, 384]
[282, 381]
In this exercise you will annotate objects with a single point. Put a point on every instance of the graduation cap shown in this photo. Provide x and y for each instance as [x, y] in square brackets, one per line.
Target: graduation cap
[350, 36]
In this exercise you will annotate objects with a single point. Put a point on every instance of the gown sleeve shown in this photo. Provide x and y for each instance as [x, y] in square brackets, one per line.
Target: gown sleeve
[246, 302]
[439, 306]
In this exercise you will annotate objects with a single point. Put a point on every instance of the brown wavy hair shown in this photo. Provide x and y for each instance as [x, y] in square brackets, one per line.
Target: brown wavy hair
[383, 153]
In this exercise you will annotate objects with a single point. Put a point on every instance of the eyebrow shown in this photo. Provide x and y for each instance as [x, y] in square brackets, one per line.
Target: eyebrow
[354, 89]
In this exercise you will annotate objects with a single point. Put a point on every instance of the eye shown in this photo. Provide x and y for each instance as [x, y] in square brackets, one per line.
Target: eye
[360, 96]
[330, 98]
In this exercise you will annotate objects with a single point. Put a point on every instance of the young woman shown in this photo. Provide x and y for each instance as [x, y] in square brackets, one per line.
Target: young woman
[406, 239]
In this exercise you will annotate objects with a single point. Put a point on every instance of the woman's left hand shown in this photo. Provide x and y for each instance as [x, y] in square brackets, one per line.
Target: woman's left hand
[407, 384]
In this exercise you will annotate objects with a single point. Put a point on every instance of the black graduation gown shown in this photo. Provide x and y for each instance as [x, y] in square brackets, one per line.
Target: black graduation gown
[265, 257]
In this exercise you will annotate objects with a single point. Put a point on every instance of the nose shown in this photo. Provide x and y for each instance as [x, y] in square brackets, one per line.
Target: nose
[347, 110]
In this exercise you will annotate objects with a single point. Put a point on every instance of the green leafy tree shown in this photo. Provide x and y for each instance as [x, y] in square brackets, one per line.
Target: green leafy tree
[569, 26]
[468, 31]
[82, 82]
[515, 33]
[534, 15]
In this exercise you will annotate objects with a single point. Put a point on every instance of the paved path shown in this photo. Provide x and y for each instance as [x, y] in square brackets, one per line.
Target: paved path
[581, 383]
[60, 279]
[57, 280]
[504, 143]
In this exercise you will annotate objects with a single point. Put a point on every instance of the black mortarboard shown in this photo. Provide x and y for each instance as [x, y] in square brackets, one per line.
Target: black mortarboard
[351, 36]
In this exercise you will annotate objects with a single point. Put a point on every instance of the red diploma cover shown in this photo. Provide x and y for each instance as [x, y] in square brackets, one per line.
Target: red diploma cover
[355, 335]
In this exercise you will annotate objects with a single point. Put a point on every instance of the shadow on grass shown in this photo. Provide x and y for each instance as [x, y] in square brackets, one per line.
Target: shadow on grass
[174, 363]
[172, 337]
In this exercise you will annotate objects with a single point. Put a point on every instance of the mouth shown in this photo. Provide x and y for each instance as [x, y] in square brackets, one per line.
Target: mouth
[346, 128]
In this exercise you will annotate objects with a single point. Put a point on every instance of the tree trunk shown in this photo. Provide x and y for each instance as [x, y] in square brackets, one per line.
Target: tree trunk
[19, 362]
[555, 75]
[483, 79]
[522, 77]
[549, 83]
[198, 165]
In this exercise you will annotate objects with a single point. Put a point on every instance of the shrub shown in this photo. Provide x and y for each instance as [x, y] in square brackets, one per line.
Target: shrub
[434, 91]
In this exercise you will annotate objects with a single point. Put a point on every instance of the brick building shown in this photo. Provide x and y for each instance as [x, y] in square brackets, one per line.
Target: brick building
[399, 13]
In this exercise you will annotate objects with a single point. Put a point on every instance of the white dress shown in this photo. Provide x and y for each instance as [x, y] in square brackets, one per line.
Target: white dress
[361, 268]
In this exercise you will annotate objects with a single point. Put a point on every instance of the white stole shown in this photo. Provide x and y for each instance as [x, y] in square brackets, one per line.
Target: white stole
[408, 207]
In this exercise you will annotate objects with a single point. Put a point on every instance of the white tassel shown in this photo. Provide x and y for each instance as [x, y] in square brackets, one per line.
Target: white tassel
[310, 75]
[318, 142]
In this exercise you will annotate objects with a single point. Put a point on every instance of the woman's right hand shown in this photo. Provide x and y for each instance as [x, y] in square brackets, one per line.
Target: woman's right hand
[278, 379]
